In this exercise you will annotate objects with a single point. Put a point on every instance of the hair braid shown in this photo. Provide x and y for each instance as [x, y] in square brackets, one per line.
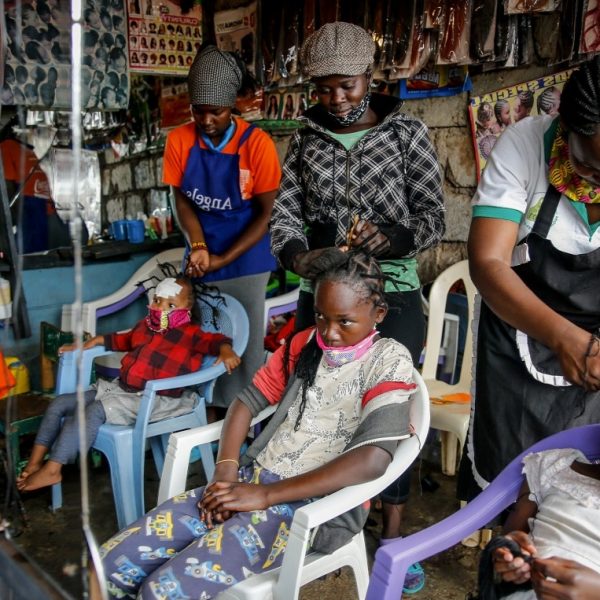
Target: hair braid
[580, 99]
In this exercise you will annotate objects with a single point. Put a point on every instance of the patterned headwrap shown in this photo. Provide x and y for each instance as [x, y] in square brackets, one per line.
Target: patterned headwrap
[214, 78]
[337, 49]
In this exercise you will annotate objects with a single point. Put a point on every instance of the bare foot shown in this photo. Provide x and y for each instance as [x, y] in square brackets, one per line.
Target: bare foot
[29, 470]
[48, 475]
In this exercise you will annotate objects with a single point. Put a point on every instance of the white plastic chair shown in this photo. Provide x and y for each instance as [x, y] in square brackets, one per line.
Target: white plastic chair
[124, 445]
[452, 419]
[449, 347]
[300, 567]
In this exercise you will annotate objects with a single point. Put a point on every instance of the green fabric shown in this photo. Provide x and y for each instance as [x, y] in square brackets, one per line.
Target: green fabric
[404, 274]
[582, 212]
[402, 270]
[498, 212]
[348, 139]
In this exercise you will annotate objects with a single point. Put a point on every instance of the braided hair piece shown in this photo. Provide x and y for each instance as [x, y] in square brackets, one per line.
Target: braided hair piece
[489, 587]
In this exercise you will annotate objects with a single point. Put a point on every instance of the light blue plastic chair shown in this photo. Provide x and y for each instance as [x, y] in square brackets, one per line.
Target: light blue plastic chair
[124, 446]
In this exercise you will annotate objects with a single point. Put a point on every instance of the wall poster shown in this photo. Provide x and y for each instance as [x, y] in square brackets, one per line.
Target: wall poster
[163, 40]
[236, 32]
[491, 113]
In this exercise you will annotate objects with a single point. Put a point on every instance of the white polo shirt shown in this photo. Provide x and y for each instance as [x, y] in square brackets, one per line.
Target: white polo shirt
[515, 180]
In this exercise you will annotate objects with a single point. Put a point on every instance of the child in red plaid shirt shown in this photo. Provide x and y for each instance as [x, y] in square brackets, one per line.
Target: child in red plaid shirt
[166, 343]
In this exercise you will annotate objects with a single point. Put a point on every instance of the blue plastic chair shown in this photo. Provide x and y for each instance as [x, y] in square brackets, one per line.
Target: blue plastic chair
[124, 446]
[393, 560]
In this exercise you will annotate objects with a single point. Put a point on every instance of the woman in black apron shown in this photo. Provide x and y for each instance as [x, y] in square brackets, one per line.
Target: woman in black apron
[225, 174]
[538, 352]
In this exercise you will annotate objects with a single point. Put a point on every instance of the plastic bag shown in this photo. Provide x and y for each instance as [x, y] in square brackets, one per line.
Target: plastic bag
[421, 47]
[516, 7]
[483, 27]
[454, 36]
[434, 14]
[546, 33]
[590, 27]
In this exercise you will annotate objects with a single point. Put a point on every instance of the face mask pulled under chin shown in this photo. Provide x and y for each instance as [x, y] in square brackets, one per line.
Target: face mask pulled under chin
[336, 356]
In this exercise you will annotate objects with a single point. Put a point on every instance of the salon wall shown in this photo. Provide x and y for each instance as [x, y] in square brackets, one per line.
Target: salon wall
[131, 185]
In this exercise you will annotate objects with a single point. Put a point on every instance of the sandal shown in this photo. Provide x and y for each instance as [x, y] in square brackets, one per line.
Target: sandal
[415, 579]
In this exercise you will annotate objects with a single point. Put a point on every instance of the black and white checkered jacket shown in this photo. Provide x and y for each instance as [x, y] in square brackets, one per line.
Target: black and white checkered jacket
[391, 177]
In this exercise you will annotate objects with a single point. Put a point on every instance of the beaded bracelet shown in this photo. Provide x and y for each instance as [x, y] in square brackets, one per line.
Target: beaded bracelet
[228, 460]
[199, 246]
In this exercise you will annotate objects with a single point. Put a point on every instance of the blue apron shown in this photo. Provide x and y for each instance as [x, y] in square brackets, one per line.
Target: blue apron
[212, 183]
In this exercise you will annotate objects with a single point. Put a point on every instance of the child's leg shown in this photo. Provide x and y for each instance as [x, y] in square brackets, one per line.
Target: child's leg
[249, 542]
[61, 407]
[66, 447]
[171, 549]
[145, 545]
[394, 499]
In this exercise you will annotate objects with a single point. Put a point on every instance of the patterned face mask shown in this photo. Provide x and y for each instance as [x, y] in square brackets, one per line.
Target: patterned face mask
[161, 320]
[563, 177]
[336, 356]
[355, 114]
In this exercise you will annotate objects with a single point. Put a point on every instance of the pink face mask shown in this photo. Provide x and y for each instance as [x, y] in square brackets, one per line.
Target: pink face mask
[336, 356]
[161, 320]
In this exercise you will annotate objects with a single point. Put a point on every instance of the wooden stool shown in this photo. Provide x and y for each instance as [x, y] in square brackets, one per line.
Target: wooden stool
[27, 411]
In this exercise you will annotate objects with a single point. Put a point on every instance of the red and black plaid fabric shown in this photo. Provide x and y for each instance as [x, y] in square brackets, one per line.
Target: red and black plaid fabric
[151, 355]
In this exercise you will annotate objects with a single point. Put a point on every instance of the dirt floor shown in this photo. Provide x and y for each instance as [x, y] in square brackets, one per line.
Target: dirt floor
[54, 540]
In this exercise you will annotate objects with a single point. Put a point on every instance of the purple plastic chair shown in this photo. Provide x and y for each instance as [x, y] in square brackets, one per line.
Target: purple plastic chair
[393, 560]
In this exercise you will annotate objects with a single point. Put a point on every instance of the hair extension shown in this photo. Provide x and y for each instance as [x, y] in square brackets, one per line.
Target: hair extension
[488, 588]
[249, 84]
[580, 99]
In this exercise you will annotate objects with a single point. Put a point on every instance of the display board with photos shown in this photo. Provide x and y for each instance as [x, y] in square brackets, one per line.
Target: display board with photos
[163, 39]
[491, 113]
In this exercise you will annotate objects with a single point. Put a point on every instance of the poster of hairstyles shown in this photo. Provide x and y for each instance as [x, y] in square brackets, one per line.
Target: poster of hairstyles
[491, 113]
[163, 37]
[37, 72]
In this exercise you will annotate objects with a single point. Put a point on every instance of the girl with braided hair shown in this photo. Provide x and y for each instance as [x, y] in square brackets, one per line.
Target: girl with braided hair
[166, 343]
[534, 254]
[343, 399]
[557, 515]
